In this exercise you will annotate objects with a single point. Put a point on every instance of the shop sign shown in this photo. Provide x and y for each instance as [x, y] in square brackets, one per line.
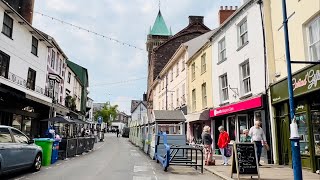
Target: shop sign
[306, 81]
[241, 106]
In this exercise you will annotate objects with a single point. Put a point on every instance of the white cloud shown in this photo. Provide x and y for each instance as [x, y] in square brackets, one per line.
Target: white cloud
[61, 6]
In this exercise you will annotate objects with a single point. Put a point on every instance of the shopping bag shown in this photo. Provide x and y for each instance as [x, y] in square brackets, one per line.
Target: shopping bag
[227, 152]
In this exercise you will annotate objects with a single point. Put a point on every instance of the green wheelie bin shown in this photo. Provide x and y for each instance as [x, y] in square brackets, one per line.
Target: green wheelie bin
[46, 145]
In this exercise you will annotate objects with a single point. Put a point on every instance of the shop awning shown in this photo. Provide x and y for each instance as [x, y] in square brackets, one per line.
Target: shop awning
[201, 116]
[78, 121]
[59, 119]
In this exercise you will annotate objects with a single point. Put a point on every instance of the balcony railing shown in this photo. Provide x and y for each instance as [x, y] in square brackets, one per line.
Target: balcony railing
[22, 82]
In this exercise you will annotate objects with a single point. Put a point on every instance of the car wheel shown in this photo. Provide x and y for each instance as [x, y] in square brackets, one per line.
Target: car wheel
[37, 163]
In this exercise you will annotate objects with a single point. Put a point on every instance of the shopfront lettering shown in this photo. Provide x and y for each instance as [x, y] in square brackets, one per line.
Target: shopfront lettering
[216, 112]
[276, 99]
[300, 107]
[311, 79]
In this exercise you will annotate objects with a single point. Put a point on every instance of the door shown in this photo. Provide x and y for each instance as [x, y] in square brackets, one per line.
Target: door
[7, 150]
[242, 125]
[283, 140]
[231, 126]
[26, 153]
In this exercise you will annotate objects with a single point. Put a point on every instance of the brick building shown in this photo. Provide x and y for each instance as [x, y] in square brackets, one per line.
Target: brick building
[160, 54]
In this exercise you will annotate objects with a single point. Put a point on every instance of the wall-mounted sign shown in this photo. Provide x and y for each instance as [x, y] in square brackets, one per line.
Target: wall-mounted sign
[307, 80]
[240, 106]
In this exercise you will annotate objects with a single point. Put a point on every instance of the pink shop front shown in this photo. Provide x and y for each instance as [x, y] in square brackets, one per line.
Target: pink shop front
[239, 116]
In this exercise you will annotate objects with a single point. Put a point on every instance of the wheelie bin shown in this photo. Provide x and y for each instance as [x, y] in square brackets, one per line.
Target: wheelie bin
[46, 145]
[55, 151]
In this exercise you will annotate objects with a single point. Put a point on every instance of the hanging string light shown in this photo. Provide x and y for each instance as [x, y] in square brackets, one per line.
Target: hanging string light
[90, 31]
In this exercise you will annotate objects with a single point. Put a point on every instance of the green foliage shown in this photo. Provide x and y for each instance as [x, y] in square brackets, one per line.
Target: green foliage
[71, 103]
[108, 113]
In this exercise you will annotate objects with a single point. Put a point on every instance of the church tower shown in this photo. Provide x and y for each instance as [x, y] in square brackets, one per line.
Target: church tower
[158, 34]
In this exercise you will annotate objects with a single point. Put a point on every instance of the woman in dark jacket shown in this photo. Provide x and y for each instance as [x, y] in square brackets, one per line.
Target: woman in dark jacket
[207, 142]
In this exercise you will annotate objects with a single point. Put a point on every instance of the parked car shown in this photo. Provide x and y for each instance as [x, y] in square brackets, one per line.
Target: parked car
[18, 151]
[125, 132]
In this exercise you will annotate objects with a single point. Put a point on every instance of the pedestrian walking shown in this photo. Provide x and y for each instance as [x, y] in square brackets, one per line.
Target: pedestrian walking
[245, 136]
[223, 141]
[258, 137]
[117, 131]
[207, 142]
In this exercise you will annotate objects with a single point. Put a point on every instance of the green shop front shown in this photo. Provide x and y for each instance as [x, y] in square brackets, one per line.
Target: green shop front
[306, 86]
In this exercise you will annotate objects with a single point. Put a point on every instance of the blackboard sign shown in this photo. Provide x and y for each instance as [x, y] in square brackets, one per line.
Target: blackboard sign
[244, 159]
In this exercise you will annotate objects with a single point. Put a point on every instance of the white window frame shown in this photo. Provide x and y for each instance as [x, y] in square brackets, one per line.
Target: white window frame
[172, 101]
[245, 80]
[240, 35]
[183, 98]
[177, 97]
[222, 78]
[204, 95]
[171, 75]
[222, 50]
[183, 65]
[193, 71]
[203, 63]
[315, 21]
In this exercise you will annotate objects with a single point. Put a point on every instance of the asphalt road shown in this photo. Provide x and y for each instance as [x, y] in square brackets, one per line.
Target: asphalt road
[113, 159]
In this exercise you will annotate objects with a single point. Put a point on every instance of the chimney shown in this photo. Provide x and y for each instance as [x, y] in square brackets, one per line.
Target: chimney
[195, 19]
[144, 97]
[225, 13]
[24, 8]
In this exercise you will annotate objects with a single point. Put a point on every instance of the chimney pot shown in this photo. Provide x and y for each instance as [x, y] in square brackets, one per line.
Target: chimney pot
[230, 7]
[225, 13]
[236, 7]
[226, 7]
[221, 7]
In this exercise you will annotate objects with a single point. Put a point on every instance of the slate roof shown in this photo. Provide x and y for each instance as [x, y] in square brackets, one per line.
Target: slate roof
[195, 44]
[164, 115]
[159, 27]
[136, 103]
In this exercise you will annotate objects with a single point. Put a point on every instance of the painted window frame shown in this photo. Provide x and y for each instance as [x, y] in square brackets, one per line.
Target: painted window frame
[34, 46]
[316, 42]
[224, 91]
[203, 63]
[242, 36]
[204, 95]
[245, 80]
[194, 100]
[193, 71]
[7, 25]
[4, 65]
[222, 49]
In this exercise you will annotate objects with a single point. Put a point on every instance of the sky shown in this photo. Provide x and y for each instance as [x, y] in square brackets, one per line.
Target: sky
[117, 73]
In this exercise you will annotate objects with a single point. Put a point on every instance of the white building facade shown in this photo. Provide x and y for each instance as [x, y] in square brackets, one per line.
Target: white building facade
[23, 68]
[73, 87]
[170, 89]
[239, 82]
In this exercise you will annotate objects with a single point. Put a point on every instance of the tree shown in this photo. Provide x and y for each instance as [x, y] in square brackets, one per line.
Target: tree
[108, 113]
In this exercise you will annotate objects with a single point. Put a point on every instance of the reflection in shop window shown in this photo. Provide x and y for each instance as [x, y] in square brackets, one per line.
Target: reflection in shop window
[315, 120]
[303, 132]
[232, 128]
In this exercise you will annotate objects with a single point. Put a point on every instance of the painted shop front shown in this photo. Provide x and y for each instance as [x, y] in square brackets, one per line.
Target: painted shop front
[306, 86]
[237, 117]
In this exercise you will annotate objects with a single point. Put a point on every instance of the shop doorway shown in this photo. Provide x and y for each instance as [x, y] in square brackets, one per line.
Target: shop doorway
[283, 136]
[231, 127]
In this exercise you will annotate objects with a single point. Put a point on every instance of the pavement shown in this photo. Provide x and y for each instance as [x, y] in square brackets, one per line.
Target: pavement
[113, 159]
[267, 172]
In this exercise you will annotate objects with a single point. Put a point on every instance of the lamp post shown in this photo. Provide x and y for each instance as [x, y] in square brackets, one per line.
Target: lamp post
[295, 146]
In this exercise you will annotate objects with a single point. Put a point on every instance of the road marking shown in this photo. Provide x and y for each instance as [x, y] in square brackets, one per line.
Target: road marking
[141, 178]
[140, 168]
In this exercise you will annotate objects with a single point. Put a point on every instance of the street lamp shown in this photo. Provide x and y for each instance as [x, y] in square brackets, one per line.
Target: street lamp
[294, 135]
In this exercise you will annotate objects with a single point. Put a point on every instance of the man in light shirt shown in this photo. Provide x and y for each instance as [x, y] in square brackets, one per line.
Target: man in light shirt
[258, 137]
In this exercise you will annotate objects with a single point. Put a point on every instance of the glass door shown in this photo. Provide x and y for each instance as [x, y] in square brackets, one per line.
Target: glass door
[242, 125]
[231, 127]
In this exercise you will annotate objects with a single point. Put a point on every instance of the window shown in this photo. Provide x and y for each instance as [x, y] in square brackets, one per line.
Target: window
[177, 69]
[203, 63]
[53, 58]
[177, 97]
[7, 25]
[193, 71]
[171, 104]
[183, 93]
[4, 64]
[224, 87]
[222, 50]
[245, 78]
[5, 136]
[183, 65]
[314, 40]
[31, 81]
[162, 84]
[19, 137]
[60, 66]
[69, 77]
[243, 33]
[34, 47]
[57, 62]
[162, 104]
[204, 95]
[194, 100]
[171, 75]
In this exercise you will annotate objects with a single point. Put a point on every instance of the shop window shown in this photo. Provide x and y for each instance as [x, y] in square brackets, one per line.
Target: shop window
[301, 120]
[315, 121]
[232, 128]
[243, 124]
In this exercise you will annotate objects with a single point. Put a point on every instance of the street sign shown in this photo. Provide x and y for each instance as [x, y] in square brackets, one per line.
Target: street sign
[100, 120]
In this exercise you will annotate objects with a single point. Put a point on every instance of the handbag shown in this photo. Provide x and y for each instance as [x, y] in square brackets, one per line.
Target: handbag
[266, 146]
[227, 152]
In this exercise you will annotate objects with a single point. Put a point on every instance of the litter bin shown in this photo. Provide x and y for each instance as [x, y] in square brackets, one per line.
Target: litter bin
[46, 145]
[55, 151]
